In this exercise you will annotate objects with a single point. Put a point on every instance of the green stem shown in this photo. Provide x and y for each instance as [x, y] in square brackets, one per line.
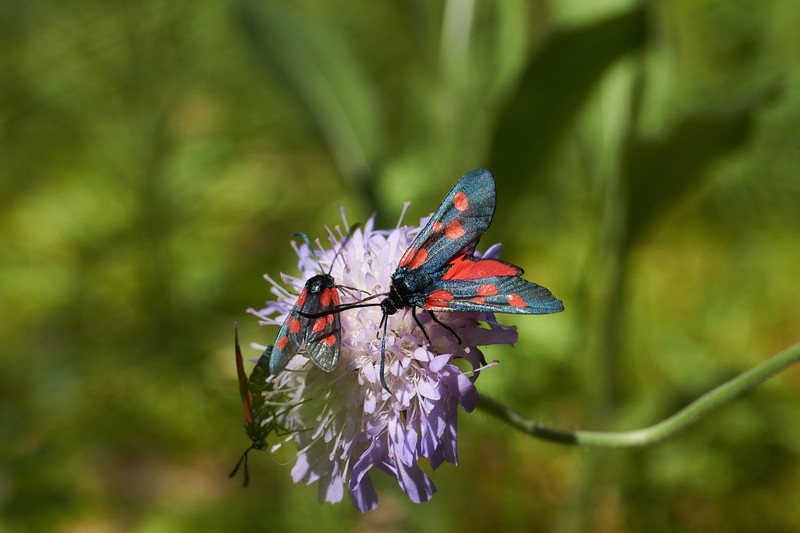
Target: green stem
[657, 432]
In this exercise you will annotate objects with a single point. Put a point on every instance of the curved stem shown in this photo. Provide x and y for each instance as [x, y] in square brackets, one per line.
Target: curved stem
[659, 431]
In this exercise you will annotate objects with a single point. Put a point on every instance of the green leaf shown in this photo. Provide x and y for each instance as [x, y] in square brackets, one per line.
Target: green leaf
[321, 70]
[557, 81]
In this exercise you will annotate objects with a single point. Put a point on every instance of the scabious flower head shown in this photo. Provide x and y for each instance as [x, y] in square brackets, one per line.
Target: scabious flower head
[344, 423]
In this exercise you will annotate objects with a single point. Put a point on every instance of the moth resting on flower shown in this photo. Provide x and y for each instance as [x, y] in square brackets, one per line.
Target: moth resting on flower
[345, 422]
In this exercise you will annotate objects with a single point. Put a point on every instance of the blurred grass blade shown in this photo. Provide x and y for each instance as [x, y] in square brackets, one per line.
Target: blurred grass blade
[511, 42]
[320, 69]
[556, 82]
[456, 36]
[658, 173]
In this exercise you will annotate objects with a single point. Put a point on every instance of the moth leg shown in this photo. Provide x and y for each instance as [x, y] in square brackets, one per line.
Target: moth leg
[445, 326]
[414, 314]
[349, 290]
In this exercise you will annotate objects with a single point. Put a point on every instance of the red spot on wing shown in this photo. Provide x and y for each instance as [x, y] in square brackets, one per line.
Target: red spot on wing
[330, 319]
[463, 267]
[487, 289]
[479, 300]
[454, 230]
[330, 340]
[440, 295]
[319, 324]
[437, 226]
[419, 258]
[335, 297]
[281, 343]
[437, 300]
[325, 298]
[294, 325]
[515, 300]
[302, 298]
[460, 201]
[406, 257]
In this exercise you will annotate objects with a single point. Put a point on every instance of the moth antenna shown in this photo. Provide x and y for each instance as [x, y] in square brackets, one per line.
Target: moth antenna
[345, 307]
[242, 459]
[383, 356]
[310, 248]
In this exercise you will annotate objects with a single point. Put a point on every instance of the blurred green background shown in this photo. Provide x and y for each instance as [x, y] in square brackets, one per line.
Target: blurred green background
[156, 156]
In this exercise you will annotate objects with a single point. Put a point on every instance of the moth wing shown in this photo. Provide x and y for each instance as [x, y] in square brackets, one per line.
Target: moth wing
[244, 390]
[290, 336]
[456, 226]
[323, 336]
[490, 285]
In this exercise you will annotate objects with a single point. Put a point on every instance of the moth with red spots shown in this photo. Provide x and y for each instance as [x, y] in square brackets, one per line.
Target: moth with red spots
[320, 335]
[257, 424]
[439, 271]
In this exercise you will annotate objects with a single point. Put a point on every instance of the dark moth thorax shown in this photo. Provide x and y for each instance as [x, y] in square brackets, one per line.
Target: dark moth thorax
[407, 289]
[319, 283]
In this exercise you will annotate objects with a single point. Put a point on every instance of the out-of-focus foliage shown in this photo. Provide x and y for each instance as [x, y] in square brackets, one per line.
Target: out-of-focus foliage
[156, 156]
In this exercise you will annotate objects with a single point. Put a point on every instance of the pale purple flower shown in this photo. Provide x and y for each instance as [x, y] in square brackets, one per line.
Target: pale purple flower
[344, 423]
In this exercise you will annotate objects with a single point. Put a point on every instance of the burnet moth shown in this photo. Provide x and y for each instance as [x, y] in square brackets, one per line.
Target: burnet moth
[313, 322]
[439, 271]
[256, 424]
